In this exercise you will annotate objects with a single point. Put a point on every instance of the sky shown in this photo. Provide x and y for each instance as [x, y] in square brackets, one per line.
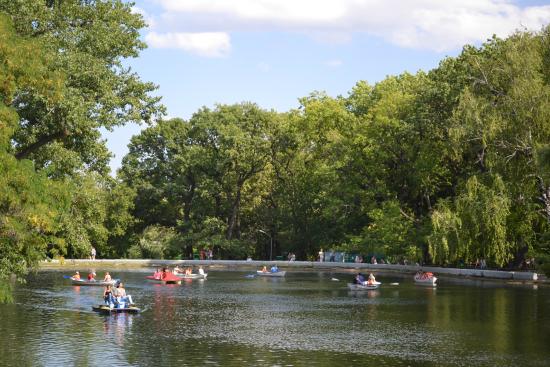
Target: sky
[273, 52]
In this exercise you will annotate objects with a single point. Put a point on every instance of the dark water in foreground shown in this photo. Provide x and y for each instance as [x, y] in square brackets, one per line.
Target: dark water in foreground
[305, 319]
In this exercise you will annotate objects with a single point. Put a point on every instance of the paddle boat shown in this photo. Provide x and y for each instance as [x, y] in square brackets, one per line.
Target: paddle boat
[425, 278]
[192, 276]
[97, 283]
[271, 274]
[172, 279]
[165, 277]
[110, 310]
[189, 275]
[365, 286]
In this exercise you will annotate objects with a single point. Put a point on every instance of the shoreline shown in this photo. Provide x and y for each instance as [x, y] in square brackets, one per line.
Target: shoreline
[525, 276]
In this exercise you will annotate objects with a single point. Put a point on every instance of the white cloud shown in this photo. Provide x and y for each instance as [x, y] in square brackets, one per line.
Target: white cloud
[286, 11]
[429, 24]
[210, 44]
[150, 20]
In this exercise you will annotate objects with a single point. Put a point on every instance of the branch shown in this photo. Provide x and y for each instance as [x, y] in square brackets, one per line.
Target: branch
[25, 152]
[412, 219]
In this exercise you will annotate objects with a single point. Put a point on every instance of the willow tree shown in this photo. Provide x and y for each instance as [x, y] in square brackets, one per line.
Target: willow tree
[501, 127]
[474, 225]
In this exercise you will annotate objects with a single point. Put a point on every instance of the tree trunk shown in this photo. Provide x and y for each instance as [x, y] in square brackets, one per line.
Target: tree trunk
[233, 215]
[188, 202]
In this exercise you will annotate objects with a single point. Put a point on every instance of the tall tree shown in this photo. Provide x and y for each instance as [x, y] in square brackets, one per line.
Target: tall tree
[88, 41]
[30, 203]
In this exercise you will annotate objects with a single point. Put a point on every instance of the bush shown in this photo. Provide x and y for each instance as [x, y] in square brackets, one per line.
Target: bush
[544, 265]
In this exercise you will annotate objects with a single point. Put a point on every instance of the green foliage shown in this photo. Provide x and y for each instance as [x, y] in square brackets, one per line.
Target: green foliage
[474, 226]
[153, 243]
[87, 42]
[60, 207]
[436, 167]
[443, 241]
[30, 204]
[389, 233]
[29, 218]
[187, 172]
[6, 295]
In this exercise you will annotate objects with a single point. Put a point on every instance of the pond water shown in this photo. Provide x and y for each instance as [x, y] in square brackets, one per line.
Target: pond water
[304, 319]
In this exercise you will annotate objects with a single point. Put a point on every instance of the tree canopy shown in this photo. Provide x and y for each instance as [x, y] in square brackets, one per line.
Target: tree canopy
[444, 166]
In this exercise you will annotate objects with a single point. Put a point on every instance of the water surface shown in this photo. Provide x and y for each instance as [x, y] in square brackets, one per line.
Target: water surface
[305, 319]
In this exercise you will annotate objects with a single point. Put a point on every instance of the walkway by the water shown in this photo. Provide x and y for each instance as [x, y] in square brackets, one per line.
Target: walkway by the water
[296, 265]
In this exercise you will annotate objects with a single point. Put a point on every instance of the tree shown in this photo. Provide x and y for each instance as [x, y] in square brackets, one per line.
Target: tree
[389, 233]
[501, 128]
[474, 226]
[87, 41]
[30, 204]
[189, 173]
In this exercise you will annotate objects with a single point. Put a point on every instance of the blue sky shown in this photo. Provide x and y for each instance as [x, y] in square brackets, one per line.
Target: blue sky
[272, 52]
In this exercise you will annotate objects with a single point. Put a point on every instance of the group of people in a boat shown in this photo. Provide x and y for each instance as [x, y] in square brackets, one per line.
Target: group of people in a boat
[188, 270]
[361, 279]
[113, 296]
[91, 276]
[116, 296]
[162, 274]
[273, 269]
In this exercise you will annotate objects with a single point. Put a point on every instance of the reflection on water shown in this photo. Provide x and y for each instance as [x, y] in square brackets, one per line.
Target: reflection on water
[302, 319]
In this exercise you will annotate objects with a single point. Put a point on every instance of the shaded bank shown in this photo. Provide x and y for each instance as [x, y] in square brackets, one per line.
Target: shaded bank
[290, 265]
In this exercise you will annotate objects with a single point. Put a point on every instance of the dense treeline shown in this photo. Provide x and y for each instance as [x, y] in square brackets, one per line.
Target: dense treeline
[440, 167]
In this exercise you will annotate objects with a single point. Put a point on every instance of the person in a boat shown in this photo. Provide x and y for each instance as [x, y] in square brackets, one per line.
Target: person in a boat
[107, 277]
[91, 276]
[423, 275]
[157, 274]
[163, 273]
[177, 270]
[201, 270]
[76, 276]
[264, 269]
[188, 271]
[274, 269]
[359, 279]
[108, 295]
[371, 280]
[120, 294]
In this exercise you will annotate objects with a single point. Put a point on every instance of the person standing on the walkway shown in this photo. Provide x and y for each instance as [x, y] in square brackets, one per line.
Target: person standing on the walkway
[321, 255]
[482, 263]
[92, 253]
